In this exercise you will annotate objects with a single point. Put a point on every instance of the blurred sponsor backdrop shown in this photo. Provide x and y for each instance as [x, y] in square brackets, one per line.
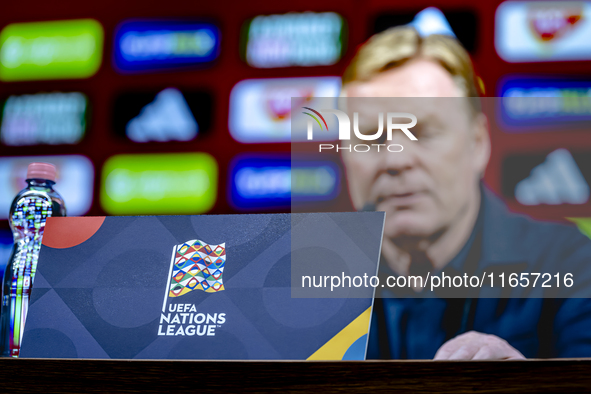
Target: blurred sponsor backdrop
[184, 108]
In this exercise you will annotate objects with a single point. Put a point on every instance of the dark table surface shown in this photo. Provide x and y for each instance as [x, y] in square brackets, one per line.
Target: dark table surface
[65, 376]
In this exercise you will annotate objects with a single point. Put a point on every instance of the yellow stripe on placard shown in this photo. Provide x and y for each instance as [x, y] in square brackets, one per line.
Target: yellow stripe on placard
[584, 225]
[337, 346]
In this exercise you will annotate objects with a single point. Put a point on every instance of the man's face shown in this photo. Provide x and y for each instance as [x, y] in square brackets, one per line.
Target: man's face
[433, 181]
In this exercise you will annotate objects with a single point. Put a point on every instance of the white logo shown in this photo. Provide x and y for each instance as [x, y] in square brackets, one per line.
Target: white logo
[167, 118]
[431, 21]
[345, 125]
[261, 109]
[345, 129]
[52, 118]
[557, 180]
[294, 39]
[75, 180]
[534, 31]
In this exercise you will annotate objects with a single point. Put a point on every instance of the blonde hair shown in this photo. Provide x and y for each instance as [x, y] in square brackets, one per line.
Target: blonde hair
[397, 45]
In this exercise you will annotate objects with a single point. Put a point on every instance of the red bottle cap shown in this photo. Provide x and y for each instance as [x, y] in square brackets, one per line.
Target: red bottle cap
[41, 171]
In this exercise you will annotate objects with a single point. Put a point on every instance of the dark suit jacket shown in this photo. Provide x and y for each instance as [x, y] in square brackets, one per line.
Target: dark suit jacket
[540, 322]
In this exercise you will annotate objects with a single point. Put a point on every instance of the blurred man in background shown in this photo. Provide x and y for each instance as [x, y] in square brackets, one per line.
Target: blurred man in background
[440, 217]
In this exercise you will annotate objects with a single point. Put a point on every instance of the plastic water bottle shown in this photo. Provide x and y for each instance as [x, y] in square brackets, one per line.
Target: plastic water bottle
[28, 213]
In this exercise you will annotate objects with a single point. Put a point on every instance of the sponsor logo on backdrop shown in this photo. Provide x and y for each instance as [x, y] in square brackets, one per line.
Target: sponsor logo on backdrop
[345, 130]
[155, 45]
[553, 21]
[50, 50]
[261, 109]
[195, 265]
[162, 116]
[50, 118]
[536, 104]
[460, 23]
[295, 39]
[543, 31]
[167, 118]
[171, 183]
[278, 100]
[74, 181]
[6, 245]
[556, 178]
[272, 182]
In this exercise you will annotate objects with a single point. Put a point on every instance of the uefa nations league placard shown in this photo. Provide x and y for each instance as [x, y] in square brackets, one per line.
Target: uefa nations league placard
[200, 287]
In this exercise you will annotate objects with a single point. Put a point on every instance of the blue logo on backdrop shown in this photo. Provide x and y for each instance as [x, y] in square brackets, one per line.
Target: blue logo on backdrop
[259, 181]
[6, 244]
[158, 45]
[535, 104]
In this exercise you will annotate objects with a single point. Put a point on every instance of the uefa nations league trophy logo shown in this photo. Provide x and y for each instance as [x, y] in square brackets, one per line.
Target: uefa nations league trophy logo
[197, 265]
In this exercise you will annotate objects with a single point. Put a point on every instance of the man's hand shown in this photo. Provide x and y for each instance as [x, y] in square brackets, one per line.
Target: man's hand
[477, 346]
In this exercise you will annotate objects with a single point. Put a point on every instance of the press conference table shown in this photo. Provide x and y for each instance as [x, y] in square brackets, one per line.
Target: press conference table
[133, 376]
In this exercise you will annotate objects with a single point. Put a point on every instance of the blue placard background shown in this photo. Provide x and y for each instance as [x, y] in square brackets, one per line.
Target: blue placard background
[108, 296]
